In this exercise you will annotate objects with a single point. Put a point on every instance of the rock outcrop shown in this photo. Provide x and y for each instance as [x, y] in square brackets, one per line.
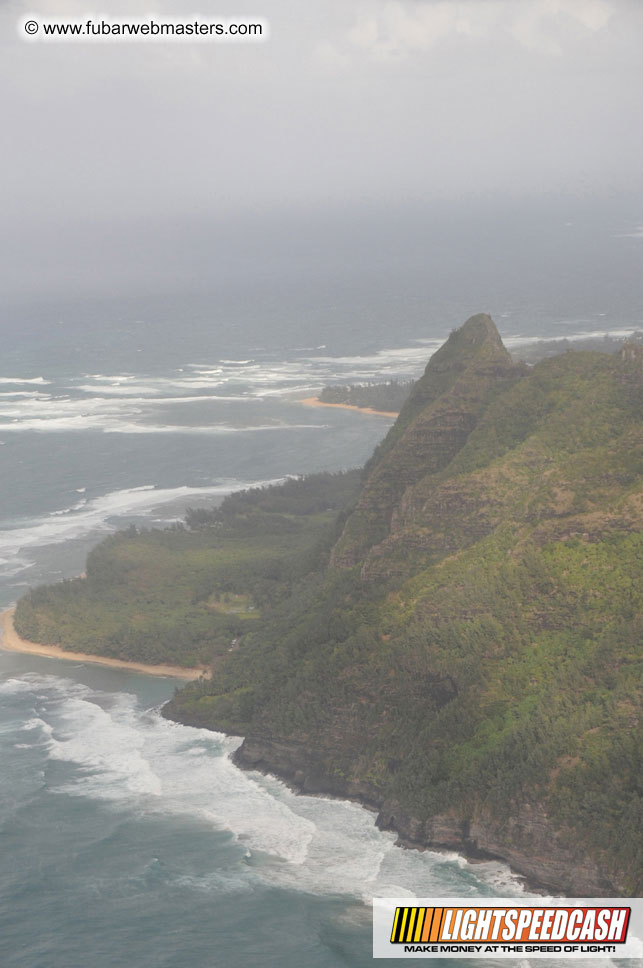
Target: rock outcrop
[434, 424]
[468, 662]
[527, 841]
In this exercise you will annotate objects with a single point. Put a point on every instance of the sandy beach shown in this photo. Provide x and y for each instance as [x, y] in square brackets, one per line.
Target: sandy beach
[11, 641]
[316, 402]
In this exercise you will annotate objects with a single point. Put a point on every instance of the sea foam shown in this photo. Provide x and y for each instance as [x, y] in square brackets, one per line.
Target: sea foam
[137, 761]
[93, 516]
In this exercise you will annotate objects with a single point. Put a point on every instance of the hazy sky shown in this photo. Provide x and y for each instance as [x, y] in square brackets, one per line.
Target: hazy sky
[376, 101]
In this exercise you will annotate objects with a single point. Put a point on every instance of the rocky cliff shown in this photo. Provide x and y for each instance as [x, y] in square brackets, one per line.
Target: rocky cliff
[527, 840]
[442, 410]
[469, 662]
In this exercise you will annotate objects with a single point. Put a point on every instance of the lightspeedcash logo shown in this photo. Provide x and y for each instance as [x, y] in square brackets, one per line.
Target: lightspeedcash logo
[510, 926]
[560, 927]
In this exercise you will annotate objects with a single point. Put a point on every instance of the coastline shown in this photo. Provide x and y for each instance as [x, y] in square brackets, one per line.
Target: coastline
[10, 641]
[316, 402]
[537, 858]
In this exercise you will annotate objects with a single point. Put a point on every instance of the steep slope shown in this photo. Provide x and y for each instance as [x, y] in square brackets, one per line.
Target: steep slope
[442, 410]
[470, 661]
[470, 664]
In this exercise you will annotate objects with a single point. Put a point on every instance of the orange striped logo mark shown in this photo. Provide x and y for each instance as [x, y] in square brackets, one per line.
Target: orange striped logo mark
[417, 925]
[509, 925]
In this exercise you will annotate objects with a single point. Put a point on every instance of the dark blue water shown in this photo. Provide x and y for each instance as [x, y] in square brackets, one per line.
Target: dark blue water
[126, 840]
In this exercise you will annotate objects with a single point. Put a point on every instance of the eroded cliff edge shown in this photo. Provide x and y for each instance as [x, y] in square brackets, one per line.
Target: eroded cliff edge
[452, 636]
[526, 839]
[467, 660]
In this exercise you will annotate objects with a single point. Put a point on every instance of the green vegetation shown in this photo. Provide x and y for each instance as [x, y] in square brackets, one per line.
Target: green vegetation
[544, 348]
[472, 652]
[389, 397]
[229, 603]
[183, 595]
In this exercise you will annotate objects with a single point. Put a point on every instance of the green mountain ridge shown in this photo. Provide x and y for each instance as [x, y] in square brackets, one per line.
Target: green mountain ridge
[470, 662]
[461, 647]
[443, 408]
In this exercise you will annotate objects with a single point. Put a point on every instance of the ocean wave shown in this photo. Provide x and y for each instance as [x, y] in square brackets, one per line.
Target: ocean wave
[130, 756]
[633, 233]
[133, 758]
[19, 380]
[213, 428]
[69, 510]
[13, 687]
[25, 394]
[118, 390]
[10, 567]
[275, 378]
[97, 514]
[93, 739]
[516, 341]
[43, 727]
[82, 423]
[143, 765]
[127, 415]
[131, 403]
[109, 377]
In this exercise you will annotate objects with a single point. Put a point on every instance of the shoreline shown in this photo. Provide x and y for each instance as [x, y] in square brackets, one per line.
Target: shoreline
[475, 841]
[540, 867]
[10, 641]
[316, 402]
[324, 787]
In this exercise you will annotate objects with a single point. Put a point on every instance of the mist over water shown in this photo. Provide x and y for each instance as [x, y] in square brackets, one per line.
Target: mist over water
[131, 840]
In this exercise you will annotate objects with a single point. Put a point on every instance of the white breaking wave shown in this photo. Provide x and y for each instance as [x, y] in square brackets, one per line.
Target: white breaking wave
[110, 378]
[84, 423]
[139, 761]
[306, 373]
[124, 414]
[18, 380]
[514, 341]
[10, 567]
[118, 390]
[13, 687]
[127, 403]
[635, 233]
[74, 507]
[95, 515]
[24, 394]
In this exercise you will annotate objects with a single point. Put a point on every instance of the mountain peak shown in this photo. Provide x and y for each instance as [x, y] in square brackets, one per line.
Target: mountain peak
[443, 408]
[465, 343]
[478, 328]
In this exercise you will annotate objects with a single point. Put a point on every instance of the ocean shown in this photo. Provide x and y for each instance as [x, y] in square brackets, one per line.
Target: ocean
[131, 841]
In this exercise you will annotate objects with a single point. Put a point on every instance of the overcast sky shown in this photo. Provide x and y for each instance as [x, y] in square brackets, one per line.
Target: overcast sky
[379, 101]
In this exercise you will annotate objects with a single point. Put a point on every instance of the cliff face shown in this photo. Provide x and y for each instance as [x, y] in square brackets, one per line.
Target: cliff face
[443, 408]
[469, 664]
[527, 840]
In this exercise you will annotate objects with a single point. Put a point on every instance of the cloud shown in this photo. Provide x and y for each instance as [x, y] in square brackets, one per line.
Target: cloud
[404, 27]
[547, 25]
[376, 101]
